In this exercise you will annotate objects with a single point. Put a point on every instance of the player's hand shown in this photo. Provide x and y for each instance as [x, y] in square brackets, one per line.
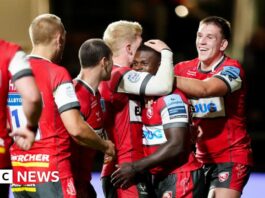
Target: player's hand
[156, 44]
[124, 175]
[23, 137]
[196, 132]
[109, 152]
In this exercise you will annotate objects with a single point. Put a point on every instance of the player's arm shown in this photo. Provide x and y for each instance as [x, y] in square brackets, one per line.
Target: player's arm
[173, 150]
[26, 86]
[225, 81]
[67, 103]
[202, 88]
[143, 83]
[31, 99]
[83, 133]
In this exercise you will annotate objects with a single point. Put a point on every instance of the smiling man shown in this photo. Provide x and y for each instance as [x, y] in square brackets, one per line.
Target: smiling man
[217, 89]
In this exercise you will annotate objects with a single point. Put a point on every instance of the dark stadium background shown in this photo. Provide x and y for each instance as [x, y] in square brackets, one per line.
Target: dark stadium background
[85, 19]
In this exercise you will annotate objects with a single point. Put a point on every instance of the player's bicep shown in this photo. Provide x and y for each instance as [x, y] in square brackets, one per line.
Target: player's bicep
[71, 119]
[177, 135]
[215, 87]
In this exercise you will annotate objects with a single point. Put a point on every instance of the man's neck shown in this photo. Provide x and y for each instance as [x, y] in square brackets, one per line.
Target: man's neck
[91, 77]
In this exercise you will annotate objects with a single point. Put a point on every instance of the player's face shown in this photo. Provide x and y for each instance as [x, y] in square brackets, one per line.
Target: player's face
[210, 43]
[108, 67]
[134, 47]
[145, 61]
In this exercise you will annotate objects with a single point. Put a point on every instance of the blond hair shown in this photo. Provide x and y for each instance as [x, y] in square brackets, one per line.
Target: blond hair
[44, 28]
[120, 32]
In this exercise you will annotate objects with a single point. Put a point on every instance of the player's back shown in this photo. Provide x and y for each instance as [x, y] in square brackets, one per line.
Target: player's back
[52, 139]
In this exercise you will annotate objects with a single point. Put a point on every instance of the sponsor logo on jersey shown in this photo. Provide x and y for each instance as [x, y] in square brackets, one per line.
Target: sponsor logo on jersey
[230, 72]
[204, 107]
[176, 110]
[156, 134]
[70, 91]
[208, 107]
[14, 99]
[135, 111]
[223, 176]
[153, 135]
[175, 106]
[133, 77]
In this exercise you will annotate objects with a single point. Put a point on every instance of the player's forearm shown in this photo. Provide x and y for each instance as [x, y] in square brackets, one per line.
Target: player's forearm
[162, 82]
[192, 87]
[31, 99]
[86, 136]
[165, 153]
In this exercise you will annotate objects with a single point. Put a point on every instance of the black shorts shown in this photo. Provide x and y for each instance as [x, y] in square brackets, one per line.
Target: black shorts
[142, 188]
[181, 184]
[227, 175]
[64, 188]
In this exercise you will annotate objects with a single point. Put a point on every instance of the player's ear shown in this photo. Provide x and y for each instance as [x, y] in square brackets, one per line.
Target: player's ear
[103, 63]
[129, 49]
[224, 45]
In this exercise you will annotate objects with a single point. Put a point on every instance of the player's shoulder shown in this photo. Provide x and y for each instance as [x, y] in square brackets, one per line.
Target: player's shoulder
[191, 62]
[177, 97]
[118, 70]
[186, 65]
[231, 62]
[9, 48]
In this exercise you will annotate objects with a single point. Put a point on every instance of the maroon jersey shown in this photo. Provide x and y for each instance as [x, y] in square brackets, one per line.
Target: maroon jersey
[122, 120]
[166, 112]
[7, 69]
[82, 157]
[51, 149]
[222, 119]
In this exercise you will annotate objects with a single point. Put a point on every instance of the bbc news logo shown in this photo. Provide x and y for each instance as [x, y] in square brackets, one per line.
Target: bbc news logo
[8, 176]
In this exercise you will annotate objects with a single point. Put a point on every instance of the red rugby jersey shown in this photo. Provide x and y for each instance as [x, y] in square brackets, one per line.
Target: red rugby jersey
[7, 51]
[122, 120]
[82, 157]
[166, 112]
[51, 149]
[222, 119]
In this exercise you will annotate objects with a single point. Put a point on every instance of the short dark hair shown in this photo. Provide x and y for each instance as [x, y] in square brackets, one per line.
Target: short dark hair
[92, 51]
[222, 23]
[143, 47]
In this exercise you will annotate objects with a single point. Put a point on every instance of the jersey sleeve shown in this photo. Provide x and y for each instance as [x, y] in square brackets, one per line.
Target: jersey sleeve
[132, 81]
[64, 92]
[174, 112]
[19, 66]
[231, 76]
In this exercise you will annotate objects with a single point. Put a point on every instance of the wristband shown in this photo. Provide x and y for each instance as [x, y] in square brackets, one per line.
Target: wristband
[32, 128]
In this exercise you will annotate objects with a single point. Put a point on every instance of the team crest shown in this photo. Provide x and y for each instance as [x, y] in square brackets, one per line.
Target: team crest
[134, 77]
[149, 113]
[167, 194]
[223, 176]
